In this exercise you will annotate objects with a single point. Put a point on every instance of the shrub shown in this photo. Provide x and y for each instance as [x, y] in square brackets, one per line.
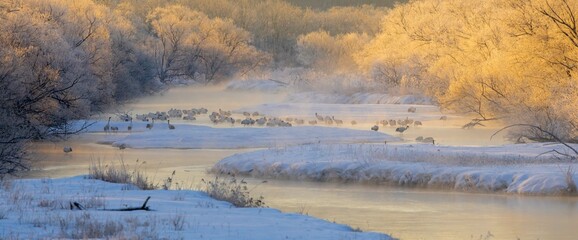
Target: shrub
[120, 174]
[233, 191]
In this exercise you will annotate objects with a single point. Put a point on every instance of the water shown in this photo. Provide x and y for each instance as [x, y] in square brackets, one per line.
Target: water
[404, 213]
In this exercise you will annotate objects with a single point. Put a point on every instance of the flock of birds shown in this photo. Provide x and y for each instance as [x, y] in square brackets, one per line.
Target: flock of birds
[251, 119]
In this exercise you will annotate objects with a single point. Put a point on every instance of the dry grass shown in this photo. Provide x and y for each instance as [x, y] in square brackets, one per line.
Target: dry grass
[569, 177]
[233, 191]
[120, 174]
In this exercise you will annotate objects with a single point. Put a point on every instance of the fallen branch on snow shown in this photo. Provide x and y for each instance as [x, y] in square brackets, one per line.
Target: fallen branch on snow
[144, 207]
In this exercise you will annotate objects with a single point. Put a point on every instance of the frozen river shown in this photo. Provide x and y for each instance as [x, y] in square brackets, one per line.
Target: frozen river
[404, 213]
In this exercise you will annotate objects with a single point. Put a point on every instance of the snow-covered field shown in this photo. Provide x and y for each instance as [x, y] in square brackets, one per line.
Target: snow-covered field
[40, 209]
[196, 137]
[507, 169]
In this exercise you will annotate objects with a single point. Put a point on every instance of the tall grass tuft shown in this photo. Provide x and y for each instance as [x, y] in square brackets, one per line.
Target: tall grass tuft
[569, 177]
[233, 191]
[120, 174]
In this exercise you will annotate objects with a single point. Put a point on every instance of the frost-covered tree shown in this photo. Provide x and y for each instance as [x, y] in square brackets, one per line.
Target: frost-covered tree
[324, 52]
[512, 60]
[189, 44]
[44, 83]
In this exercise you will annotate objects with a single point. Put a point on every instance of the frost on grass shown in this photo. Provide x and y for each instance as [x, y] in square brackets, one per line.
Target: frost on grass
[39, 209]
[232, 190]
[510, 169]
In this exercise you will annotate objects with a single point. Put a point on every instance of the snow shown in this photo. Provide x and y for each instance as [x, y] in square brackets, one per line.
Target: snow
[187, 136]
[507, 169]
[39, 209]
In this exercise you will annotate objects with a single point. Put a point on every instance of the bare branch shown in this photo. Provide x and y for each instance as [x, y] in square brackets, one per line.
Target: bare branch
[541, 130]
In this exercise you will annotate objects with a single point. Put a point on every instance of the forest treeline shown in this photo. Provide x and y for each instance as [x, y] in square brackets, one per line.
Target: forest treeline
[63, 60]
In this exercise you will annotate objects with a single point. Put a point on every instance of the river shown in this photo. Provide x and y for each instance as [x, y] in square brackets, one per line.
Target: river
[402, 212]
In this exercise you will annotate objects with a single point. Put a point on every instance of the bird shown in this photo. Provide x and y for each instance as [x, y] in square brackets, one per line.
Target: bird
[444, 118]
[172, 127]
[337, 121]
[417, 123]
[353, 122]
[375, 128]
[247, 122]
[384, 122]
[319, 117]
[122, 146]
[401, 129]
[114, 128]
[411, 109]
[428, 140]
[129, 128]
[67, 149]
[107, 126]
[150, 125]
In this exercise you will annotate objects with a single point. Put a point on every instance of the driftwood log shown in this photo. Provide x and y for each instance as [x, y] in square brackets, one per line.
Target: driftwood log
[144, 207]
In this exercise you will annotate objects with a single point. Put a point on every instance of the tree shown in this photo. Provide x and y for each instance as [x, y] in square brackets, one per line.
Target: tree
[510, 60]
[43, 82]
[189, 44]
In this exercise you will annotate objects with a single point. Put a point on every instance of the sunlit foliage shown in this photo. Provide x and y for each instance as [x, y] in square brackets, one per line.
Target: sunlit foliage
[514, 60]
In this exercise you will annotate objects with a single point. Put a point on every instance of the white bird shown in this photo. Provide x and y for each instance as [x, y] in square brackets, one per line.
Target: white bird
[375, 128]
[401, 129]
[172, 127]
[67, 149]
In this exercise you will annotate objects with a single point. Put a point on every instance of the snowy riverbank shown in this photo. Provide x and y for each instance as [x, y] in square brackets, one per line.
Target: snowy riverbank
[39, 209]
[197, 137]
[349, 155]
[500, 169]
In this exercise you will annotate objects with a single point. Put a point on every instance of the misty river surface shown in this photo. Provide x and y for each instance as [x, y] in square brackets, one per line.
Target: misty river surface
[402, 212]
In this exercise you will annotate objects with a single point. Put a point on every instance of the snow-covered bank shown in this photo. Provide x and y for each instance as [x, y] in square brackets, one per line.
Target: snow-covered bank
[197, 137]
[509, 168]
[39, 209]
